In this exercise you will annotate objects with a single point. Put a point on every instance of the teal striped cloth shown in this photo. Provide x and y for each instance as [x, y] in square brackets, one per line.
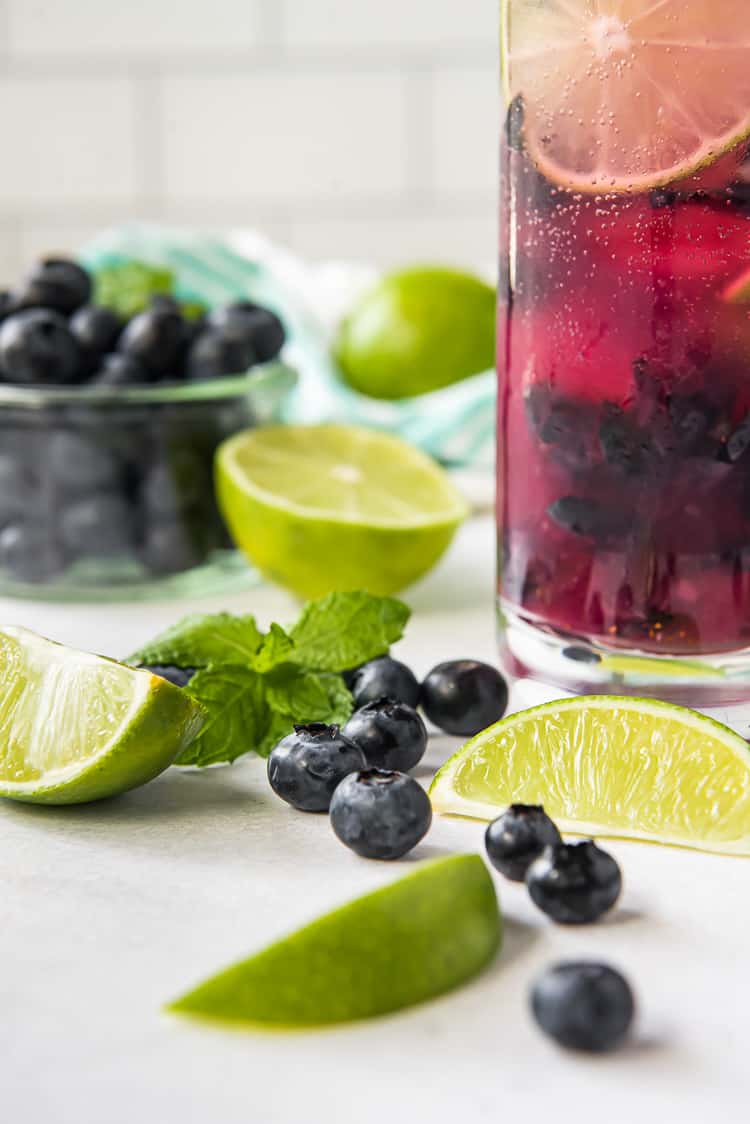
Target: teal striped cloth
[455, 425]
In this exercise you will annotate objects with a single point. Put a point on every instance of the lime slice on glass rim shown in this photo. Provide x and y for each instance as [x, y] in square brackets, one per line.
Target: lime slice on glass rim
[76, 727]
[623, 767]
[333, 507]
[628, 95]
[421, 936]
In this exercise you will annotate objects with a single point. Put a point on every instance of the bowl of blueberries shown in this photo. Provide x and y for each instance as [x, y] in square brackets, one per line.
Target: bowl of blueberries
[109, 422]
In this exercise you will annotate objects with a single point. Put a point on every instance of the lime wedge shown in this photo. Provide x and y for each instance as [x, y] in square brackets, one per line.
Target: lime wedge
[629, 768]
[413, 940]
[76, 727]
[416, 331]
[628, 95]
[333, 507]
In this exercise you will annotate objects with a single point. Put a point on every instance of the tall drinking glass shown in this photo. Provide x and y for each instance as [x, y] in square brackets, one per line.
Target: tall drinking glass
[624, 346]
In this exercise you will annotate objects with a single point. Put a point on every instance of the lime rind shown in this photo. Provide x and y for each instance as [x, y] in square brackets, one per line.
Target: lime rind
[567, 787]
[401, 945]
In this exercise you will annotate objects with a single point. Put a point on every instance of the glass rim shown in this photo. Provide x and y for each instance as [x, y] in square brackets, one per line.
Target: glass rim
[275, 374]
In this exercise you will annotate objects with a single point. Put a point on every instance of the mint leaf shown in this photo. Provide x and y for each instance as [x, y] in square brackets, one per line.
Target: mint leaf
[309, 696]
[275, 649]
[238, 715]
[248, 711]
[255, 688]
[344, 630]
[203, 639]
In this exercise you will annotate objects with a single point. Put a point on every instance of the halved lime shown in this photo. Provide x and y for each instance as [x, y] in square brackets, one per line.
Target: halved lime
[76, 727]
[628, 95]
[413, 940]
[416, 331]
[333, 507]
[629, 768]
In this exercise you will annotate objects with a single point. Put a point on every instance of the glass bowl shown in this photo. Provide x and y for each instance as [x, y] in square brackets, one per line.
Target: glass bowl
[108, 494]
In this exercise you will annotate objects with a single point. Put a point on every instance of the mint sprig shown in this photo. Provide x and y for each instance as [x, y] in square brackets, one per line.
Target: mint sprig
[255, 686]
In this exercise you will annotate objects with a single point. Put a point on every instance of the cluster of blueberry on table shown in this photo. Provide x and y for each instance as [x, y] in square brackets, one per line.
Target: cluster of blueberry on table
[359, 774]
[104, 488]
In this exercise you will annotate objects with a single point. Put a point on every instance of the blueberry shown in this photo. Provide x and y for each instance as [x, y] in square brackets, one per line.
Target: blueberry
[574, 883]
[29, 552]
[380, 814]
[163, 302]
[463, 697]
[238, 311]
[99, 526]
[79, 464]
[514, 124]
[588, 518]
[737, 444]
[739, 193]
[662, 198]
[173, 485]
[391, 734]
[37, 347]
[218, 352]
[383, 678]
[582, 655]
[171, 547]
[7, 303]
[117, 369]
[95, 330]
[306, 767]
[17, 487]
[268, 335]
[626, 446]
[259, 327]
[56, 283]
[156, 338]
[567, 426]
[518, 837]
[583, 1006]
[692, 417]
[180, 676]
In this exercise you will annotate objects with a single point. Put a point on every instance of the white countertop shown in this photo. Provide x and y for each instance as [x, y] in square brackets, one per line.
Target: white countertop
[111, 909]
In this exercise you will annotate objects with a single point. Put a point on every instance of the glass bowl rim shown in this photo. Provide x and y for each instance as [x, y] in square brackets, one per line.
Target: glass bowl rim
[275, 374]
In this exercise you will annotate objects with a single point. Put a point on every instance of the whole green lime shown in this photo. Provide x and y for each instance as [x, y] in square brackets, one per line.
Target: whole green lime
[418, 330]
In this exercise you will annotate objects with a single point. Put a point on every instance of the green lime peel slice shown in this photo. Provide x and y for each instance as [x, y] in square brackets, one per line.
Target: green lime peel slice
[402, 945]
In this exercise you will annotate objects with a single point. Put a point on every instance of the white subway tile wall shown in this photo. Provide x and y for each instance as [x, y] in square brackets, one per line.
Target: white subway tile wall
[361, 129]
